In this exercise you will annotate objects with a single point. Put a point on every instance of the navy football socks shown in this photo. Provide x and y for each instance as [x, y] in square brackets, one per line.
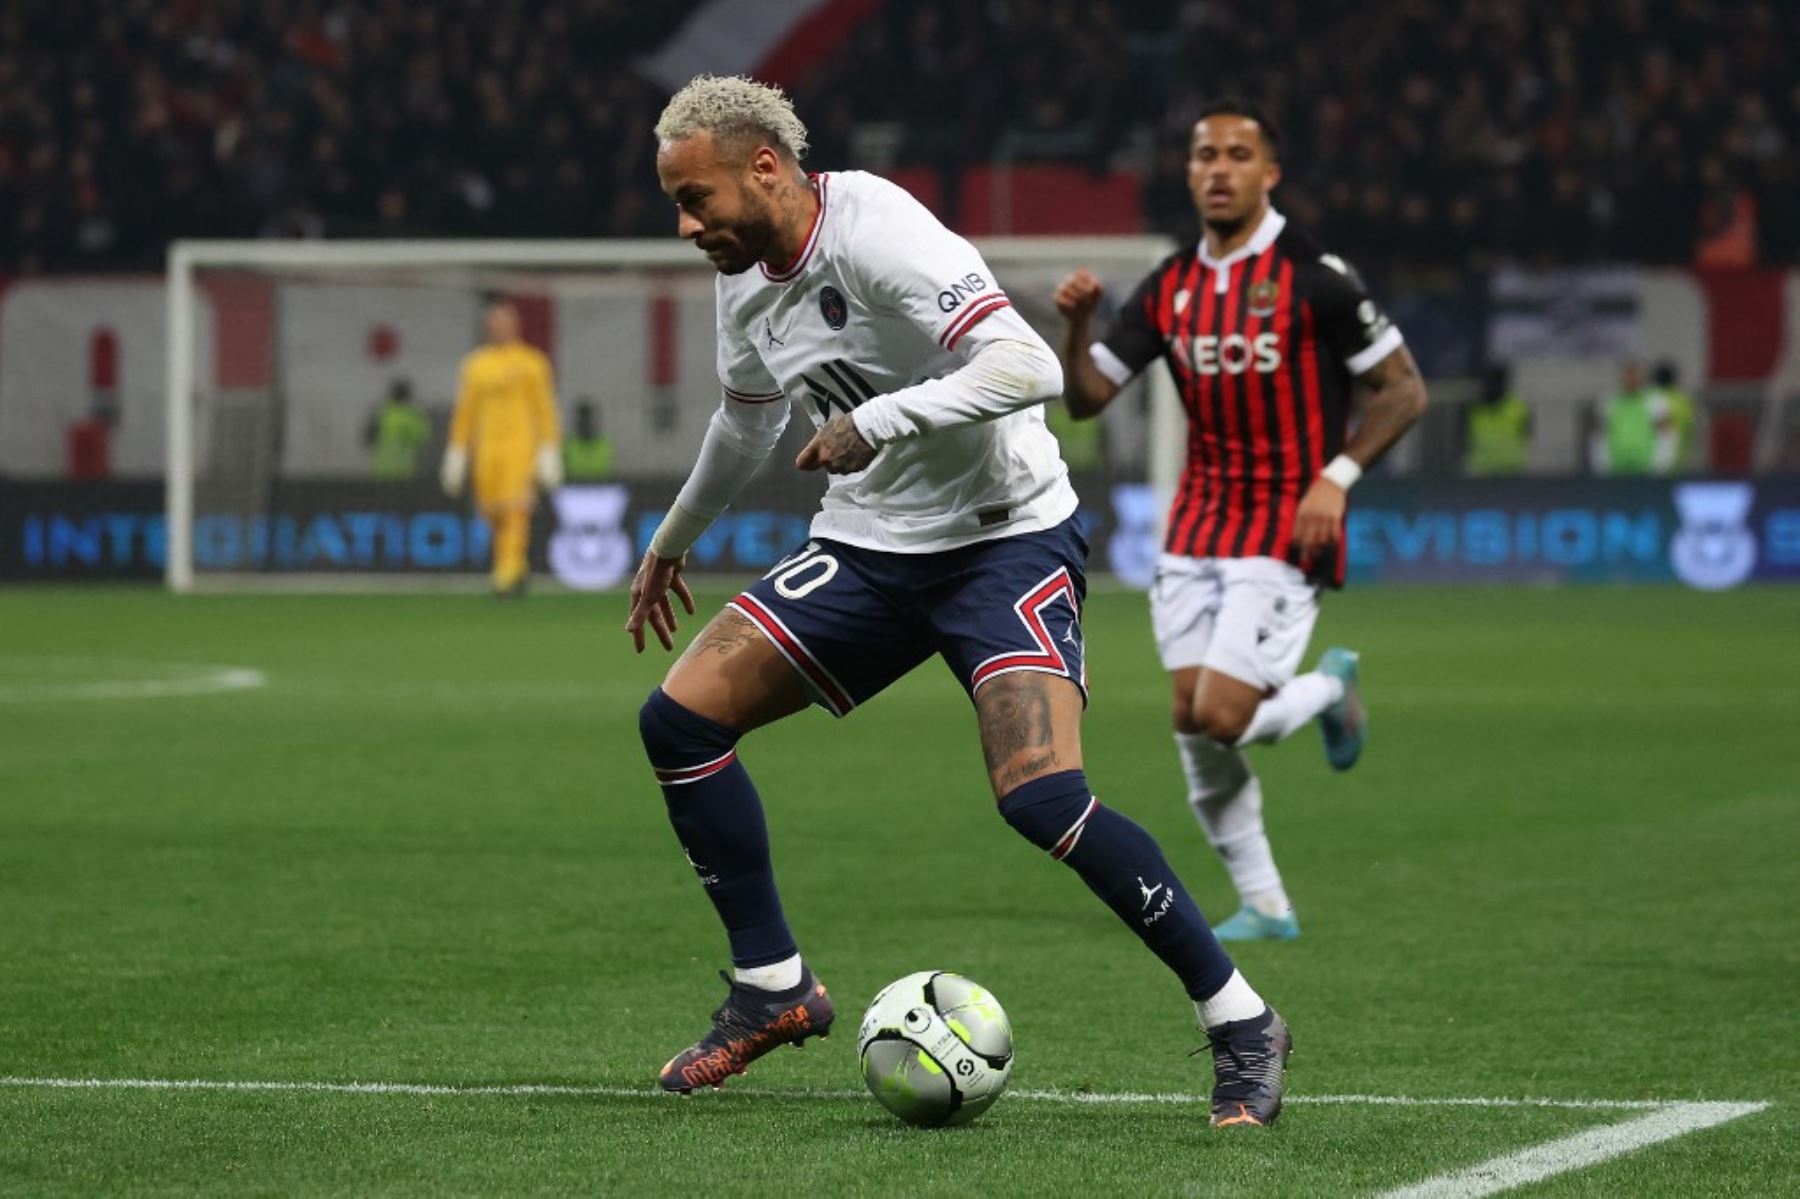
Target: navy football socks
[719, 819]
[1122, 864]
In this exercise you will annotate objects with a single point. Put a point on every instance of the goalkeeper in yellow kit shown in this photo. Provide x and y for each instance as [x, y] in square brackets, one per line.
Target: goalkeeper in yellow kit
[506, 407]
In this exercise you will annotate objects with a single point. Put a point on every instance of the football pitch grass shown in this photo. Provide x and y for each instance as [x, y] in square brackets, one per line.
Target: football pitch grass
[411, 840]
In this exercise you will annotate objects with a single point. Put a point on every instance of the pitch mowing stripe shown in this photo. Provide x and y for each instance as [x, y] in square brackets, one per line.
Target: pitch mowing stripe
[1575, 1152]
[1031, 1096]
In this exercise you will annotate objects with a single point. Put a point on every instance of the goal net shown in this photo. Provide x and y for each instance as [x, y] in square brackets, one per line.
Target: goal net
[282, 358]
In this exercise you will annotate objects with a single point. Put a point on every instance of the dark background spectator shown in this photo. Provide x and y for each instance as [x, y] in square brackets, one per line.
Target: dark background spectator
[1416, 132]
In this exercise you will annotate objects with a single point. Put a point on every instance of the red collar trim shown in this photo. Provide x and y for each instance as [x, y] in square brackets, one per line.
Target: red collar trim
[793, 268]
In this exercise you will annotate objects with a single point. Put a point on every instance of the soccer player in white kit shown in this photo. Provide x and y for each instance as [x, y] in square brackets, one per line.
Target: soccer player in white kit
[948, 530]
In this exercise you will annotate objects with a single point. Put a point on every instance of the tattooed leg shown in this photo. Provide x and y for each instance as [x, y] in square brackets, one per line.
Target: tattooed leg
[733, 675]
[1030, 727]
[728, 682]
[1030, 731]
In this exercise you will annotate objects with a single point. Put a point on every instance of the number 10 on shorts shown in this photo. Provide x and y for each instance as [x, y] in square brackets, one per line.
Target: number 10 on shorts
[801, 574]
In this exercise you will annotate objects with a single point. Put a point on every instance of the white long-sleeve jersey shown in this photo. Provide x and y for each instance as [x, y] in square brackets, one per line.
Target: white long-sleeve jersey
[888, 315]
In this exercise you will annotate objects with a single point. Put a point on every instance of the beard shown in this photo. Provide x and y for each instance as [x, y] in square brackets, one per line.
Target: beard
[1229, 226]
[736, 248]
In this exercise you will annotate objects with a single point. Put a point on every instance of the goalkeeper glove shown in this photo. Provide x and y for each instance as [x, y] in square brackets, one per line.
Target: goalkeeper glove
[454, 470]
[549, 467]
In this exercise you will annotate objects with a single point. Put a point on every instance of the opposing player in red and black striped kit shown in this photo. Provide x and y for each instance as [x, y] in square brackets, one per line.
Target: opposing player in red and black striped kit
[1266, 336]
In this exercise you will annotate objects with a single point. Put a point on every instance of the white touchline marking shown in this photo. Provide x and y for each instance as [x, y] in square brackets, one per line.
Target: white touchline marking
[178, 679]
[1575, 1152]
[1662, 1120]
[606, 1092]
[1130, 1097]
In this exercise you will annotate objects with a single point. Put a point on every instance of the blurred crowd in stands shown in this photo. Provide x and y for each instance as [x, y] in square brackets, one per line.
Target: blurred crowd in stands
[1415, 131]
[1663, 131]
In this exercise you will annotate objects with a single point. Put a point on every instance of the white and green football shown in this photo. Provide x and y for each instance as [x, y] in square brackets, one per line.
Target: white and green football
[936, 1048]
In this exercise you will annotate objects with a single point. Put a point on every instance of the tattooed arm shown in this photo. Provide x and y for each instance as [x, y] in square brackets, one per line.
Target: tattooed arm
[839, 447]
[1394, 403]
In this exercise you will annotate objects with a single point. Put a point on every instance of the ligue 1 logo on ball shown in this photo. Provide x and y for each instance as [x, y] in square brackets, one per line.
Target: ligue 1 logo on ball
[1714, 547]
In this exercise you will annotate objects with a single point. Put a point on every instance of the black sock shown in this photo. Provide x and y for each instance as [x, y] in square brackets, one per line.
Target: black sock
[1122, 864]
[719, 819]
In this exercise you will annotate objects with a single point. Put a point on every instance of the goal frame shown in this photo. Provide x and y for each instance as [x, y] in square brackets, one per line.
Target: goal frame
[187, 258]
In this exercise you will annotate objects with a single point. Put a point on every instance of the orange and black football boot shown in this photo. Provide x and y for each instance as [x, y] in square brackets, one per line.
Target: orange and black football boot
[747, 1025]
[1249, 1065]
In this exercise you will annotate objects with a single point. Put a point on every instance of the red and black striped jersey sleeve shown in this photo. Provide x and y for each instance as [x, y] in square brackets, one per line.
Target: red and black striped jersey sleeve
[1351, 325]
[1139, 333]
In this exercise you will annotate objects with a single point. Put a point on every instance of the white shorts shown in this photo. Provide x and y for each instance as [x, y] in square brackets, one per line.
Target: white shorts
[1249, 618]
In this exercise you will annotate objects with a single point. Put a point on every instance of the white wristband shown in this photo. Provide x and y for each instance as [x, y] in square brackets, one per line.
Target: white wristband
[678, 532]
[1343, 471]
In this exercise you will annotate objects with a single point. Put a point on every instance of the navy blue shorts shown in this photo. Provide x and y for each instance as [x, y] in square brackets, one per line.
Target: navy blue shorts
[852, 620]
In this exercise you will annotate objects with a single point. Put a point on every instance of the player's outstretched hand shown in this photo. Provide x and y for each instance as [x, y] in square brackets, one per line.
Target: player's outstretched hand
[1077, 296]
[1318, 518]
[650, 587]
[838, 447]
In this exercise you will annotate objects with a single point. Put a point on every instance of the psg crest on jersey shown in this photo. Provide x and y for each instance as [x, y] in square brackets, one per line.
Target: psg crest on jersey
[833, 307]
[1264, 297]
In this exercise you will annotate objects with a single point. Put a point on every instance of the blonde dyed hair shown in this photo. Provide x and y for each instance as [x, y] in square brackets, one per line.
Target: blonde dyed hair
[734, 110]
